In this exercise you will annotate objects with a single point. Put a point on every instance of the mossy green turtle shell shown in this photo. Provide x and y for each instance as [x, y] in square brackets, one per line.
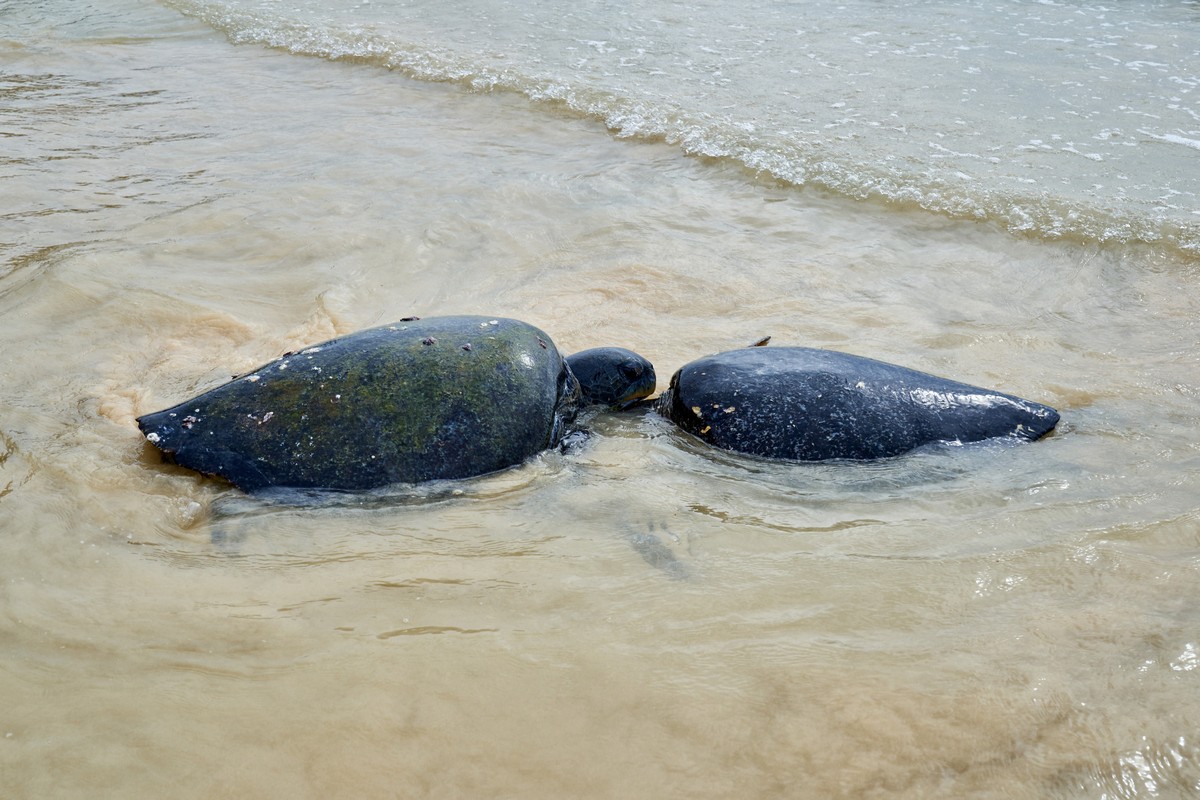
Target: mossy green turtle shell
[419, 400]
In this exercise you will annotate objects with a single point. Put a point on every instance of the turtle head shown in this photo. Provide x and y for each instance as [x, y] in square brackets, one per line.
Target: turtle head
[612, 376]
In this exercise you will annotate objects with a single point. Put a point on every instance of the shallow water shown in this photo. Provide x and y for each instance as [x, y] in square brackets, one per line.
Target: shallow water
[1062, 119]
[639, 617]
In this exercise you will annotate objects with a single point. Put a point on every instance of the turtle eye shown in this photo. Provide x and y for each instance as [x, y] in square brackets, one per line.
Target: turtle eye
[631, 369]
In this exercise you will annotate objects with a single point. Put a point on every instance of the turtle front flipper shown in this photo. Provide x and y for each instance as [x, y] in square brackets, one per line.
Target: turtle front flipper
[655, 552]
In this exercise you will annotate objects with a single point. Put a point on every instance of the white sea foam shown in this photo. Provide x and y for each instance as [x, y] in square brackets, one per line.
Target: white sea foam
[1173, 139]
[904, 112]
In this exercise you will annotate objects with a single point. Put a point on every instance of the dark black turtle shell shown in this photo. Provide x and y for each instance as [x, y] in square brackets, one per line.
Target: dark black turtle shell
[812, 405]
[448, 397]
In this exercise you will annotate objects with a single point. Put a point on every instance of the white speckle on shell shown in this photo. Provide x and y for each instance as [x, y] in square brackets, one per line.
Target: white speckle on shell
[153, 438]
[526, 360]
[254, 378]
[310, 350]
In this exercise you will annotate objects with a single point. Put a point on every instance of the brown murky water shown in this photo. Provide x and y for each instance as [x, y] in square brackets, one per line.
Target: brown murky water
[983, 622]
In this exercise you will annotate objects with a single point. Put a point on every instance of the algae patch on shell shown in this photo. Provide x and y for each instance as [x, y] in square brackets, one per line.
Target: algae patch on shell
[439, 398]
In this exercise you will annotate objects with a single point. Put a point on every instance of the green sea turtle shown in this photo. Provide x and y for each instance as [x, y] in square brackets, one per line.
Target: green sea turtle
[802, 404]
[419, 400]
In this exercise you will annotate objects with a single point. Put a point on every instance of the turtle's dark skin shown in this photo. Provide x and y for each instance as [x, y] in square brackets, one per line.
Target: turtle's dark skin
[612, 376]
[802, 404]
[419, 400]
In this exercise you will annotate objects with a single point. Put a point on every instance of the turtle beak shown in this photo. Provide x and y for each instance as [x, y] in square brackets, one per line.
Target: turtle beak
[638, 393]
[637, 402]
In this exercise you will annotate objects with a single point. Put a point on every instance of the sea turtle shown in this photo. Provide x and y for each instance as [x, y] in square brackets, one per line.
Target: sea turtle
[419, 400]
[804, 404]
